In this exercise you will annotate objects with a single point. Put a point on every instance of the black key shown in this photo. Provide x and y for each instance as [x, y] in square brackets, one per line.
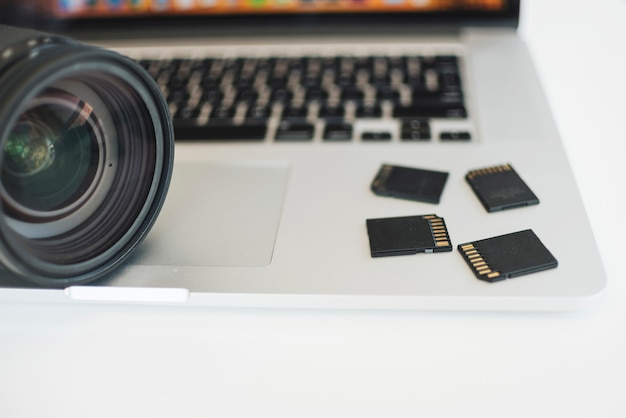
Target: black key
[294, 131]
[171, 66]
[335, 112]
[311, 80]
[447, 59]
[345, 79]
[415, 129]
[258, 112]
[364, 111]
[211, 82]
[379, 80]
[445, 99]
[212, 96]
[220, 132]
[197, 65]
[316, 94]
[186, 113]
[178, 96]
[281, 95]
[446, 64]
[397, 63]
[178, 82]
[376, 136]
[352, 93]
[415, 81]
[452, 97]
[233, 65]
[455, 136]
[450, 82]
[440, 111]
[205, 64]
[265, 64]
[297, 63]
[222, 113]
[363, 63]
[278, 81]
[330, 63]
[247, 95]
[338, 132]
[387, 93]
[244, 82]
[294, 112]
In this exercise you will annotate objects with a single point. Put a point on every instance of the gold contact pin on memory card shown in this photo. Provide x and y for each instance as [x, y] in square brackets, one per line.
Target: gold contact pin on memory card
[506, 256]
[438, 230]
[408, 235]
[477, 262]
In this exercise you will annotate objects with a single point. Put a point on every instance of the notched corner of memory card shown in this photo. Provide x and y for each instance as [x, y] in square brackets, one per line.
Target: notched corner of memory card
[409, 183]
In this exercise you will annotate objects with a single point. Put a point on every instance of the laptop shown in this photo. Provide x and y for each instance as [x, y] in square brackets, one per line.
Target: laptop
[300, 127]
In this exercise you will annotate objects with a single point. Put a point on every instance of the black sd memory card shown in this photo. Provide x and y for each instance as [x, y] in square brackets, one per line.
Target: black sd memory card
[409, 183]
[407, 235]
[507, 256]
[500, 187]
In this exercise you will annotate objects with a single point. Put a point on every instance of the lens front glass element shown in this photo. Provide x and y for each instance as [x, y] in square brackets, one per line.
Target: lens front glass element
[51, 155]
[58, 160]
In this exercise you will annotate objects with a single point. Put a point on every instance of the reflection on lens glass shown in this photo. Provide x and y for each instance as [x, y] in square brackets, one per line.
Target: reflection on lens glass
[50, 156]
[28, 150]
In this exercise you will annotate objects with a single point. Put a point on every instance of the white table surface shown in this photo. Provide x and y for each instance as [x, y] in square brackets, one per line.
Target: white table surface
[125, 361]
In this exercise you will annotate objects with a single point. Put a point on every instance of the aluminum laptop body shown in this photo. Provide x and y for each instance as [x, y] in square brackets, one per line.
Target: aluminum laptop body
[272, 223]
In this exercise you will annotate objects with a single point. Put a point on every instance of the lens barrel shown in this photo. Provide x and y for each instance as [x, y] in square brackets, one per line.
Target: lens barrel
[86, 157]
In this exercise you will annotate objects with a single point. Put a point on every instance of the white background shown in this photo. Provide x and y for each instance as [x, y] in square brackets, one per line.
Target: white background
[113, 361]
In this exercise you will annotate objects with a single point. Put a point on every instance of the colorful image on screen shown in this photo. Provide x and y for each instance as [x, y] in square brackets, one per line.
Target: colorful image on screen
[109, 8]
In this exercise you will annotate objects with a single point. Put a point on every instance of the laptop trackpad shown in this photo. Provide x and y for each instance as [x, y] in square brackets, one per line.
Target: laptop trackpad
[218, 214]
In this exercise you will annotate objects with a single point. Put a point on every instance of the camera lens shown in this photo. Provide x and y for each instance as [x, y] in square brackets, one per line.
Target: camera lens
[86, 152]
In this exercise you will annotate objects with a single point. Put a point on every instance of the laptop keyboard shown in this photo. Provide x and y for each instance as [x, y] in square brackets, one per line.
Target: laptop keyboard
[301, 99]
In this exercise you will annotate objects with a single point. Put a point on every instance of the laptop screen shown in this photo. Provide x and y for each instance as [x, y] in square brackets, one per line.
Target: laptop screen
[183, 15]
[121, 8]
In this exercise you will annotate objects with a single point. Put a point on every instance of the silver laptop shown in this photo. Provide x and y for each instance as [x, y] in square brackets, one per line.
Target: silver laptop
[302, 128]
